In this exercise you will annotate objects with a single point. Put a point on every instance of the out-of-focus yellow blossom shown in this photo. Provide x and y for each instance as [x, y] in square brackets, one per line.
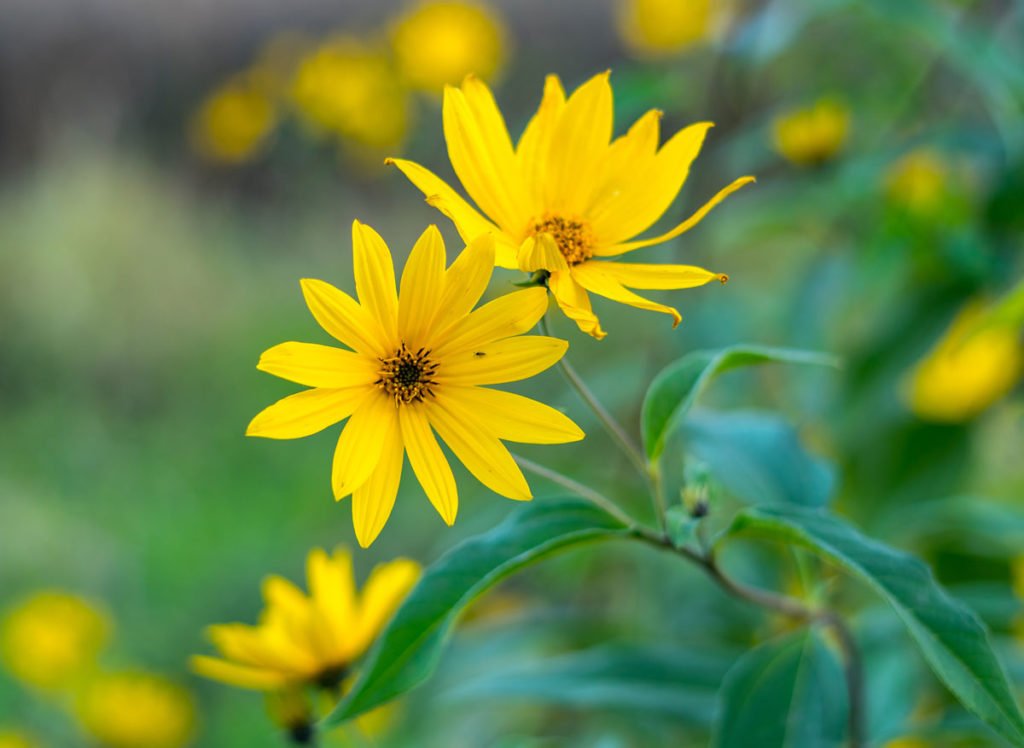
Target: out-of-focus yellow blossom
[235, 122]
[16, 739]
[438, 42]
[309, 639]
[968, 369]
[919, 182]
[275, 66]
[812, 135]
[349, 89]
[136, 710]
[417, 362]
[568, 200]
[658, 28]
[908, 741]
[52, 639]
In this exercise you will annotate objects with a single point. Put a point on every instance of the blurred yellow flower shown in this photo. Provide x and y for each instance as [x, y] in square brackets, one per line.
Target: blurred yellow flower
[439, 42]
[15, 739]
[418, 360]
[967, 370]
[908, 741]
[813, 135]
[919, 182]
[349, 89]
[568, 197]
[136, 710]
[657, 28]
[52, 639]
[235, 122]
[309, 640]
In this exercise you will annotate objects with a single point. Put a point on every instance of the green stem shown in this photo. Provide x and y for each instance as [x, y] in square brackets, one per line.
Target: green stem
[577, 488]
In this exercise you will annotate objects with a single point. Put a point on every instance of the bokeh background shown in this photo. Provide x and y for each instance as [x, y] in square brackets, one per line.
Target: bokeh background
[169, 171]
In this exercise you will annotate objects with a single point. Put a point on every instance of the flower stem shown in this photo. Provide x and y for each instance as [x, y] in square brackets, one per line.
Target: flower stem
[577, 488]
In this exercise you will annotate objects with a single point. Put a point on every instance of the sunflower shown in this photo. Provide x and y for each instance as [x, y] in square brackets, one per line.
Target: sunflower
[417, 361]
[309, 640]
[567, 197]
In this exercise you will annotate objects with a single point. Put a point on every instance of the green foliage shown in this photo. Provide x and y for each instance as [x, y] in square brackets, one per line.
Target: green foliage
[952, 639]
[408, 650]
[786, 693]
[676, 388]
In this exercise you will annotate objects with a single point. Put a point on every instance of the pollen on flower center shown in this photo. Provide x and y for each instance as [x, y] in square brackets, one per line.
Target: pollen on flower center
[574, 238]
[407, 376]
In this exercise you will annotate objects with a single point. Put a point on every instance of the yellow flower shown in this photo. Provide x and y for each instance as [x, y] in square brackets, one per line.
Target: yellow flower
[919, 182]
[136, 710]
[437, 43]
[235, 122]
[418, 359]
[657, 28]
[348, 88]
[567, 197]
[908, 741]
[813, 135]
[314, 639]
[967, 370]
[15, 739]
[52, 639]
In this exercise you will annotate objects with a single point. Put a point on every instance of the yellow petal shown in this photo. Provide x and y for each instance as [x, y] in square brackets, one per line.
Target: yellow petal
[374, 499]
[656, 186]
[581, 138]
[481, 154]
[362, 440]
[515, 418]
[626, 162]
[259, 646]
[656, 276]
[332, 588]
[465, 282]
[341, 316]
[483, 455]
[422, 287]
[540, 252]
[505, 247]
[429, 463]
[507, 360]
[689, 223]
[595, 280]
[534, 146]
[572, 298]
[375, 279]
[467, 219]
[385, 589]
[238, 675]
[508, 315]
[319, 365]
[306, 412]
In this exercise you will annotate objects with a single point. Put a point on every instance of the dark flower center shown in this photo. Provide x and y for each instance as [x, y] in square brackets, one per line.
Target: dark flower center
[406, 376]
[574, 238]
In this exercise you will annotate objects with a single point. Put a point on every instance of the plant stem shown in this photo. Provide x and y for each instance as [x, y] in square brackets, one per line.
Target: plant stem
[791, 608]
[579, 489]
[612, 426]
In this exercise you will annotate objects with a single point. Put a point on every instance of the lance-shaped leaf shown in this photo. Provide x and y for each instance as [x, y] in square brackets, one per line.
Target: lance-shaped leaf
[676, 388]
[408, 650]
[952, 639]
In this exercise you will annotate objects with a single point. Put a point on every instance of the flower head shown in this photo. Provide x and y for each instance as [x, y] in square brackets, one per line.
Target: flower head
[52, 639]
[813, 135]
[439, 42]
[136, 710]
[920, 182]
[235, 122]
[309, 639]
[968, 369]
[348, 89]
[657, 28]
[567, 197]
[417, 361]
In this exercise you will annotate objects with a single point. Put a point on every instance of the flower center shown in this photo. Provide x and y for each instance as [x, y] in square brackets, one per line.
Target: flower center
[407, 376]
[574, 238]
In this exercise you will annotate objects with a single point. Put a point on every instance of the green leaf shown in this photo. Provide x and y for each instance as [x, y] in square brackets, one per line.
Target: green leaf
[409, 648]
[676, 388]
[950, 636]
[658, 681]
[787, 693]
[758, 457]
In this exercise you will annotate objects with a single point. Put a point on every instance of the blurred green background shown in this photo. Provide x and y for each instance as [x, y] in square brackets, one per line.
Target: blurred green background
[165, 181]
